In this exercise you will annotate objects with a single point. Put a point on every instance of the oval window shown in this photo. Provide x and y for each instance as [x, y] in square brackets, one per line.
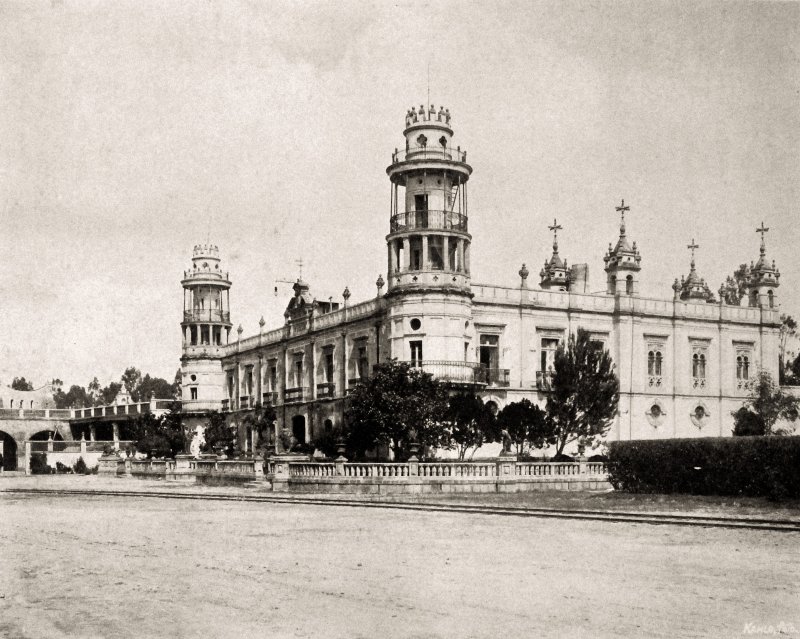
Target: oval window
[193, 378]
[699, 412]
[655, 410]
[415, 324]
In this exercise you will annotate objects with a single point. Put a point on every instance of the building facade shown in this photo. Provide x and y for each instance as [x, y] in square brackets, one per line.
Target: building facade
[684, 363]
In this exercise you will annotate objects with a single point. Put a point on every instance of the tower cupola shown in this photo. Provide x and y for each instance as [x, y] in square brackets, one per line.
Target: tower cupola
[623, 261]
[764, 277]
[555, 275]
[428, 241]
[693, 288]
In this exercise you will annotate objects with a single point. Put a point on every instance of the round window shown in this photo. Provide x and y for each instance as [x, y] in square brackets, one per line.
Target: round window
[655, 410]
[699, 412]
[415, 324]
[193, 377]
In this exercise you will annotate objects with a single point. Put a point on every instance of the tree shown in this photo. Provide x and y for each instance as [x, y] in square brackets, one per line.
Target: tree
[108, 394]
[735, 286]
[75, 397]
[527, 424]
[471, 423]
[131, 379]
[396, 406]
[788, 331]
[769, 404]
[584, 392]
[261, 420]
[217, 433]
[149, 387]
[21, 384]
[156, 436]
[747, 423]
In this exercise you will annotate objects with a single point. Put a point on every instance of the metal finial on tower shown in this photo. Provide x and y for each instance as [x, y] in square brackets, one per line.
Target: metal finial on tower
[299, 268]
[622, 209]
[762, 229]
[555, 227]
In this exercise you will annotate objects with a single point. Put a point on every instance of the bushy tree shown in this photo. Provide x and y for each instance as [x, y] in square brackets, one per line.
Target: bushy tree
[746, 423]
[21, 384]
[769, 404]
[735, 286]
[261, 420]
[527, 424]
[156, 436]
[397, 405]
[472, 423]
[217, 433]
[584, 392]
[788, 332]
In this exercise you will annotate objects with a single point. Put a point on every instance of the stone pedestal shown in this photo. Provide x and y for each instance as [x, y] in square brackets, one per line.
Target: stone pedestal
[506, 473]
[280, 475]
[111, 465]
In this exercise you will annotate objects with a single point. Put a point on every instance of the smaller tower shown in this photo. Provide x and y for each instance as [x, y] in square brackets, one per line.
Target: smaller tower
[555, 275]
[623, 262]
[206, 328]
[693, 288]
[764, 277]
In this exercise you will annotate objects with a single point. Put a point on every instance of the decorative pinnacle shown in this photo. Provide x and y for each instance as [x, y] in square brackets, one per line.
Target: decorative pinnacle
[692, 247]
[346, 293]
[379, 282]
[556, 227]
[762, 229]
[621, 209]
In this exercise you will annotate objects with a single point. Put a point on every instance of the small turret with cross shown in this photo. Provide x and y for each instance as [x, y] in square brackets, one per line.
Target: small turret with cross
[554, 275]
[764, 277]
[623, 261]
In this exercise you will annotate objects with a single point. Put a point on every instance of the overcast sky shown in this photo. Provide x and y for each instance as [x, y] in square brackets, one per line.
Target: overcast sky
[129, 131]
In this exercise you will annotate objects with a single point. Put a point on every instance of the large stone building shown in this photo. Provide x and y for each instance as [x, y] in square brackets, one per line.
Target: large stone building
[684, 363]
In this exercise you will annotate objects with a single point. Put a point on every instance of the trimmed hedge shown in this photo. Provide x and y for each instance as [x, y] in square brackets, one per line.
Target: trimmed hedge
[752, 466]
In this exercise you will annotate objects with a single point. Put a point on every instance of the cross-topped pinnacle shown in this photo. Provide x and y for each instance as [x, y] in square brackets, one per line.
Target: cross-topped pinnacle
[692, 247]
[299, 267]
[621, 209]
[762, 229]
[555, 227]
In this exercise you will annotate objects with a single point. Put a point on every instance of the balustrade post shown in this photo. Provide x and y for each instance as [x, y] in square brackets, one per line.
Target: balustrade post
[83, 445]
[50, 443]
[27, 458]
[506, 473]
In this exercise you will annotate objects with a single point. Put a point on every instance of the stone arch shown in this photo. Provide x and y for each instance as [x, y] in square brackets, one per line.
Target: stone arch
[9, 451]
[328, 425]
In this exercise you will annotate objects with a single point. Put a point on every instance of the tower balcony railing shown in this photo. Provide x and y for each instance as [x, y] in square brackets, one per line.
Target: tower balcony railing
[454, 372]
[494, 376]
[206, 315]
[433, 152]
[431, 219]
[326, 390]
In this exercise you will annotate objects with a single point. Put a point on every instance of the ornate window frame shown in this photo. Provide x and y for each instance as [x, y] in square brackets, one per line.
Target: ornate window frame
[699, 361]
[656, 350]
[656, 418]
[700, 421]
[743, 360]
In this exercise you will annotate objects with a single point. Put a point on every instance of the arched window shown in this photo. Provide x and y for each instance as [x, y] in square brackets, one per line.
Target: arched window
[659, 359]
[12, 403]
[699, 366]
[771, 299]
[742, 367]
[629, 284]
[651, 363]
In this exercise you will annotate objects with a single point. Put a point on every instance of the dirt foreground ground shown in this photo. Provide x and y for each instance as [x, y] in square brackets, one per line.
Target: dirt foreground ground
[141, 567]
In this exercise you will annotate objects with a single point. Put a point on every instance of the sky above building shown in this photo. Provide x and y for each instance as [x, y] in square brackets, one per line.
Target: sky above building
[131, 131]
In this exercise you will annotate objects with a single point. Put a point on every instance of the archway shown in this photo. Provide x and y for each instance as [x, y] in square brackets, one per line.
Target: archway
[299, 428]
[9, 451]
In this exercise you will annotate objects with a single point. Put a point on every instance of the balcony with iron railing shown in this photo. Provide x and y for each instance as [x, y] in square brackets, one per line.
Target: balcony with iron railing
[326, 390]
[432, 152]
[206, 315]
[430, 219]
[355, 381]
[246, 401]
[454, 372]
[226, 404]
[544, 380]
[295, 395]
[499, 377]
[270, 398]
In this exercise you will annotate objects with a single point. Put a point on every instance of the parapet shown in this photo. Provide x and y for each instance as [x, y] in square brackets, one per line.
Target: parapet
[205, 250]
[414, 116]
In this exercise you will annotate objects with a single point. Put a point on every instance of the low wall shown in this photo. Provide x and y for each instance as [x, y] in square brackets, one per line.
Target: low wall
[503, 475]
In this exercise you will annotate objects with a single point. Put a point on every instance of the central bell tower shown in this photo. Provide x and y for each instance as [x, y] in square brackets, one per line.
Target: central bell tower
[428, 271]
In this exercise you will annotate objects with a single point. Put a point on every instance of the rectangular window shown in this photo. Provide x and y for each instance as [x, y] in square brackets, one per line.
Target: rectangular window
[329, 367]
[248, 381]
[490, 351]
[298, 373]
[452, 258]
[193, 392]
[421, 210]
[548, 354]
[363, 362]
[415, 253]
[416, 352]
[435, 252]
[273, 378]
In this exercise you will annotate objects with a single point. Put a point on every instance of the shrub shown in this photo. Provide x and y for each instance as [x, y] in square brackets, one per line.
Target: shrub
[39, 464]
[80, 467]
[62, 469]
[747, 423]
[751, 466]
[561, 457]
